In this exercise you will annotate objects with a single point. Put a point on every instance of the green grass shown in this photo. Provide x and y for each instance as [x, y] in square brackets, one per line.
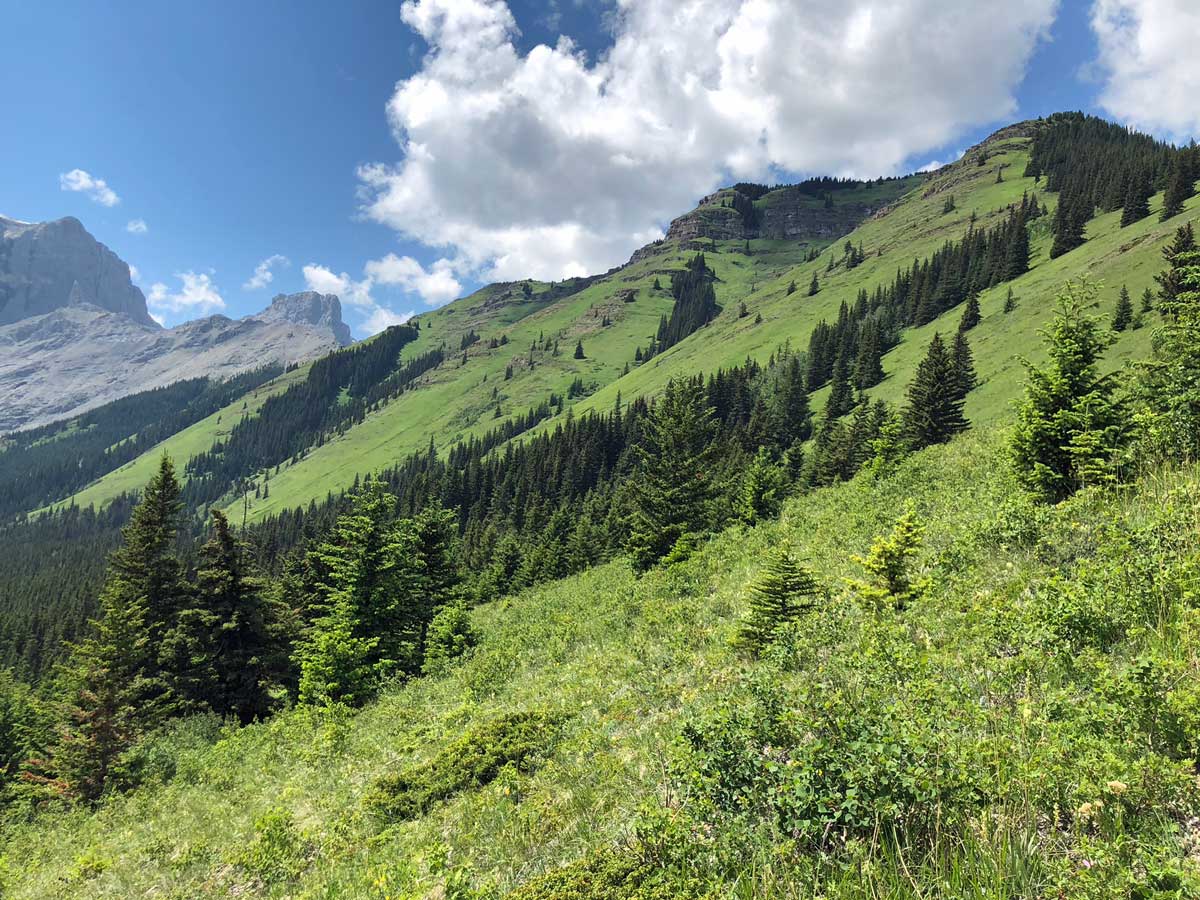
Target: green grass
[282, 809]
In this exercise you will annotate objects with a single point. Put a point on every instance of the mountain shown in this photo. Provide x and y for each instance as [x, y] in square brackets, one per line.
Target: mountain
[75, 332]
[52, 265]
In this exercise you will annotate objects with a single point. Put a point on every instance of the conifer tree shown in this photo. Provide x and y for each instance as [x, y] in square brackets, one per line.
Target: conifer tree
[1170, 380]
[579, 350]
[1147, 301]
[1171, 279]
[1123, 314]
[971, 316]
[1137, 198]
[841, 394]
[962, 363]
[934, 413]
[1069, 425]
[814, 286]
[1181, 184]
[890, 580]
[673, 484]
[1010, 302]
[762, 489]
[782, 593]
[1070, 218]
[868, 365]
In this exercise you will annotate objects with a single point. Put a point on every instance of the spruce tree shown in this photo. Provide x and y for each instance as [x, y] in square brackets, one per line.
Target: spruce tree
[815, 285]
[762, 489]
[971, 316]
[1181, 184]
[1069, 425]
[579, 350]
[782, 593]
[962, 364]
[1170, 380]
[1147, 301]
[934, 413]
[1171, 279]
[673, 483]
[1137, 198]
[890, 581]
[1010, 302]
[841, 394]
[1123, 314]
[1070, 218]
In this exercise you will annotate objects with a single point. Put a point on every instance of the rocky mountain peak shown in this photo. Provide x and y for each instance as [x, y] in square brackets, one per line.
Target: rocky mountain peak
[309, 308]
[46, 266]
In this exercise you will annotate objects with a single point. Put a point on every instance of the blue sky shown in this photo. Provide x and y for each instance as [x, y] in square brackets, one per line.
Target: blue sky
[237, 131]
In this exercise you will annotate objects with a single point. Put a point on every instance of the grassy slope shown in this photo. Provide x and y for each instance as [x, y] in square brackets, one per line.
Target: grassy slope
[626, 672]
[456, 400]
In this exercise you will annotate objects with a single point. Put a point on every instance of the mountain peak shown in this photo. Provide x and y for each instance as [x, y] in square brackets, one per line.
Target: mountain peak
[309, 308]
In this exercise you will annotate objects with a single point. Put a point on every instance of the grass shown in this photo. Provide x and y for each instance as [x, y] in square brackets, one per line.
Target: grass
[282, 809]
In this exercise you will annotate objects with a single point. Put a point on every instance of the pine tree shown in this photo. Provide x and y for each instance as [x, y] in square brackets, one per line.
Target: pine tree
[1123, 314]
[1181, 184]
[762, 489]
[888, 564]
[814, 286]
[1137, 198]
[791, 288]
[933, 413]
[841, 394]
[782, 593]
[1010, 302]
[1171, 279]
[962, 364]
[673, 483]
[1069, 425]
[1170, 381]
[1147, 301]
[1070, 218]
[579, 350]
[868, 366]
[971, 316]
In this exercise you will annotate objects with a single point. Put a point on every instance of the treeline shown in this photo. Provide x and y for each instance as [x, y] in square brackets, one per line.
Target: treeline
[337, 393]
[42, 465]
[1097, 166]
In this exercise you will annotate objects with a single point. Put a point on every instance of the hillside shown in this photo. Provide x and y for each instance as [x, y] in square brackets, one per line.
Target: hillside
[1041, 707]
[456, 401]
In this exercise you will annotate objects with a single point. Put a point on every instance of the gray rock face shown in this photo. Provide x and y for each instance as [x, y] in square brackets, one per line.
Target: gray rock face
[53, 265]
[75, 331]
[308, 308]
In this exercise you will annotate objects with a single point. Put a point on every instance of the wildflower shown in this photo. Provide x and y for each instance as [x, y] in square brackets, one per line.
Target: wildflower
[1117, 787]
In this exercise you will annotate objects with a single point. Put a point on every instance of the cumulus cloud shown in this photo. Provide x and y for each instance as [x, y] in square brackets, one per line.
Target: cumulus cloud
[137, 226]
[134, 273]
[82, 182]
[197, 294]
[263, 274]
[436, 285]
[356, 294]
[1146, 61]
[548, 164]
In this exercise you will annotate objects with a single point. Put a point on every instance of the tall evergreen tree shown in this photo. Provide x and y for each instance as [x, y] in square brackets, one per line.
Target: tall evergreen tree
[971, 315]
[934, 413]
[1123, 314]
[1069, 425]
[868, 365]
[674, 480]
[1170, 381]
[1070, 219]
[1181, 184]
[841, 394]
[762, 489]
[1171, 279]
[1137, 198]
[962, 364]
[815, 285]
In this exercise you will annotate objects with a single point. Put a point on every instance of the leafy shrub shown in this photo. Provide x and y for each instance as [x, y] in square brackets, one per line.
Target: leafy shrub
[278, 851]
[474, 760]
[604, 875]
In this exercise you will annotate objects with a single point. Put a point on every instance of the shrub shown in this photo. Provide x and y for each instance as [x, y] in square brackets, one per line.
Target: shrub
[450, 636]
[474, 760]
[277, 852]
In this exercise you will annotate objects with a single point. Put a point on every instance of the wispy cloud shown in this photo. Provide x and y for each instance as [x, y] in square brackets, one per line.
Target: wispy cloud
[83, 182]
[263, 274]
[137, 226]
[197, 294]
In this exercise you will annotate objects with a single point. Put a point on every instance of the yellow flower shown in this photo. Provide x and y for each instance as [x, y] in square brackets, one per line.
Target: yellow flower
[1117, 787]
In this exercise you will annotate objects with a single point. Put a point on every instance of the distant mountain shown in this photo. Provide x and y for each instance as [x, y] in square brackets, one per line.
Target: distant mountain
[75, 332]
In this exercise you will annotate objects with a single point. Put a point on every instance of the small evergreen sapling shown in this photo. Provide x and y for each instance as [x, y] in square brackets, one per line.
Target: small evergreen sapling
[1123, 314]
[890, 581]
[783, 592]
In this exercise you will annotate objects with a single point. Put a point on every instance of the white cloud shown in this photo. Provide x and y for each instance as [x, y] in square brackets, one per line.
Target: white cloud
[1147, 62]
[137, 226]
[383, 318]
[358, 293]
[82, 182]
[436, 286]
[134, 273]
[548, 165]
[197, 295]
[262, 272]
[161, 320]
[324, 281]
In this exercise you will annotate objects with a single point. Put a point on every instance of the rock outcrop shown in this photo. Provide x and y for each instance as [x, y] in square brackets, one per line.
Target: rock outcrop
[52, 265]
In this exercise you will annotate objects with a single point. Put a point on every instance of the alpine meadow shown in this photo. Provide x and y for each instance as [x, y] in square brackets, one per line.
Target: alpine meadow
[842, 543]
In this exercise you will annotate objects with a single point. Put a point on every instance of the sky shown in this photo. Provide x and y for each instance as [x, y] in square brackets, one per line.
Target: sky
[401, 153]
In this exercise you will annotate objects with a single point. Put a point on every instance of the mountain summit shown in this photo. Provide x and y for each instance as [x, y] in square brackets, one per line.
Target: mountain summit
[309, 308]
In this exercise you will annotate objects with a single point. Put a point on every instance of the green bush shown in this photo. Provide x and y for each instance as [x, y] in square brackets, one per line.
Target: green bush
[475, 759]
[277, 852]
[450, 636]
[607, 874]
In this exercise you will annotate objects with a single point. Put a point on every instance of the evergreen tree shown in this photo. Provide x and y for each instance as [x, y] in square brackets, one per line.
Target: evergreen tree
[782, 593]
[1137, 198]
[674, 479]
[1010, 302]
[814, 286]
[1181, 184]
[1147, 301]
[888, 564]
[579, 350]
[1170, 381]
[762, 489]
[934, 413]
[791, 288]
[971, 316]
[1069, 425]
[1070, 218]
[841, 394]
[1123, 314]
[1171, 279]
[868, 366]
[962, 364]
